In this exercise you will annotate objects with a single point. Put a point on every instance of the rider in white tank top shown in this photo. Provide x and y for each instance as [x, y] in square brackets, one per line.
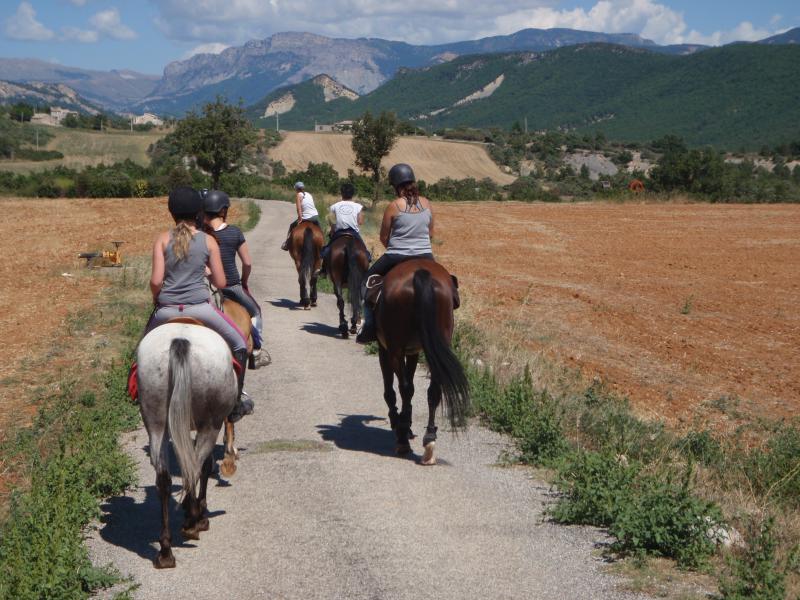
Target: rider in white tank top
[309, 209]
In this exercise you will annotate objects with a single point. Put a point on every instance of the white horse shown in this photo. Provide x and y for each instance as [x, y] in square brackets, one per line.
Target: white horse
[186, 383]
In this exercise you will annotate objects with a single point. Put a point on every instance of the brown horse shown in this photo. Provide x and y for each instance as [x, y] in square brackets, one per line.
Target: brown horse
[348, 261]
[305, 247]
[416, 314]
[239, 315]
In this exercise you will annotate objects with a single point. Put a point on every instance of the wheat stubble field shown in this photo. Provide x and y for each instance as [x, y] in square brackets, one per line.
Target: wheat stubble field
[678, 306]
[684, 308]
[432, 159]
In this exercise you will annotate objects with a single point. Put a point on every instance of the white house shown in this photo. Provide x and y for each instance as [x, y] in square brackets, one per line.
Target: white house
[148, 118]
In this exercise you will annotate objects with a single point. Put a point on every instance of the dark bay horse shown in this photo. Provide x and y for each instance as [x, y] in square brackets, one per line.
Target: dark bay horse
[416, 314]
[348, 261]
[241, 317]
[186, 383]
[305, 247]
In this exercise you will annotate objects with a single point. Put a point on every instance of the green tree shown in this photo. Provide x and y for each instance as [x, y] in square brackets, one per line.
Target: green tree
[217, 138]
[373, 138]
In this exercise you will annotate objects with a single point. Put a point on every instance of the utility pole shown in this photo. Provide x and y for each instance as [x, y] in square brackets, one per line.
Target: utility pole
[37, 139]
[277, 122]
[526, 125]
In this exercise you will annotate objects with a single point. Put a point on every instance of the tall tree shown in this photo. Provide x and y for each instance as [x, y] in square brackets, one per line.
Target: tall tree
[217, 138]
[373, 138]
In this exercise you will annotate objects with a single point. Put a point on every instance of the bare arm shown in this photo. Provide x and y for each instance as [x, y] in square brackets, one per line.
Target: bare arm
[215, 264]
[157, 274]
[386, 224]
[247, 264]
[430, 227]
[298, 201]
[360, 217]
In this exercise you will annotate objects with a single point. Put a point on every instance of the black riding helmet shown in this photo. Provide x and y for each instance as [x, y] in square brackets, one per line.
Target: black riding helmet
[214, 201]
[399, 174]
[184, 203]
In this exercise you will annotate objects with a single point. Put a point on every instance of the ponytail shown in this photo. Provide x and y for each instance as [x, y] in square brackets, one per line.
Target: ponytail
[181, 237]
[410, 192]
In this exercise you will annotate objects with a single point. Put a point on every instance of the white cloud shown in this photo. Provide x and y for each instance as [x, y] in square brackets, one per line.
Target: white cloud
[211, 48]
[108, 22]
[85, 36]
[23, 25]
[442, 21]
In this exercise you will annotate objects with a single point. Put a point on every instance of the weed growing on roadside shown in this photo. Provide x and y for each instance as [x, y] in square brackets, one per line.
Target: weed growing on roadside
[687, 305]
[756, 573]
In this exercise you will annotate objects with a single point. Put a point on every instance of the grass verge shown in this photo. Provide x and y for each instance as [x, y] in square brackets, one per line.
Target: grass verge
[69, 460]
[659, 493]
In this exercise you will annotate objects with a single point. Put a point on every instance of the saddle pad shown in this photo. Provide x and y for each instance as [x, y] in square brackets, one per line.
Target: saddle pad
[187, 320]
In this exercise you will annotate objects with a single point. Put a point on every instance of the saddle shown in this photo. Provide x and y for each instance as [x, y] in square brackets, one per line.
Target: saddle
[374, 287]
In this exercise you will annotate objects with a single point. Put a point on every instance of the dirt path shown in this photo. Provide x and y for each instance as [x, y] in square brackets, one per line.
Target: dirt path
[320, 506]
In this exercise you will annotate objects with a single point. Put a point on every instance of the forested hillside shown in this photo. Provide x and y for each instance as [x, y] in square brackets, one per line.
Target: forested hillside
[738, 96]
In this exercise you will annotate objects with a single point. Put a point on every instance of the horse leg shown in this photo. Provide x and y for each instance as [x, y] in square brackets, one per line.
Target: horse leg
[208, 465]
[194, 504]
[303, 290]
[165, 559]
[388, 386]
[405, 376]
[228, 466]
[429, 439]
[340, 304]
[314, 278]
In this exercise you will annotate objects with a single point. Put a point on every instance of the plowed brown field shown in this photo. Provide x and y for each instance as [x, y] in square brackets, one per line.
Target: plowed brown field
[432, 159]
[676, 306]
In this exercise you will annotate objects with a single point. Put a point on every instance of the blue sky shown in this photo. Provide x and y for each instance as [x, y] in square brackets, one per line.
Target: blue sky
[145, 35]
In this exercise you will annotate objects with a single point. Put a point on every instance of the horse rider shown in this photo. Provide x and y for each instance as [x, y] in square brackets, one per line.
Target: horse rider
[406, 232]
[345, 218]
[180, 259]
[232, 243]
[306, 210]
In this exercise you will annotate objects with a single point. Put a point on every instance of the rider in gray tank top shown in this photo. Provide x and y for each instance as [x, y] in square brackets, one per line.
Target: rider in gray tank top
[184, 281]
[410, 234]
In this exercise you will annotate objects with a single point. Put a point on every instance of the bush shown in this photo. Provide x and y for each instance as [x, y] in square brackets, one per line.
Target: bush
[528, 189]
[463, 189]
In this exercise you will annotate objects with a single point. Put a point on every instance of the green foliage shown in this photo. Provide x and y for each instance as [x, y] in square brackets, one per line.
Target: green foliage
[528, 189]
[373, 138]
[463, 189]
[774, 470]
[75, 460]
[756, 573]
[317, 176]
[216, 139]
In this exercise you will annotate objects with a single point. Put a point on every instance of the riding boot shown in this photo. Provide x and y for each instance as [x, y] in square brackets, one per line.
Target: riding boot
[244, 405]
[285, 245]
[367, 333]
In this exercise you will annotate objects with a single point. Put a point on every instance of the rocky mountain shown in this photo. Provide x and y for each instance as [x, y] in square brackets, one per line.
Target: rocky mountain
[49, 94]
[736, 96]
[251, 71]
[110, 89]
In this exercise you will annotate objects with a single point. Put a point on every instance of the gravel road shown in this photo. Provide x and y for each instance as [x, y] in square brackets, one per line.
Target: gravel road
[321, 508]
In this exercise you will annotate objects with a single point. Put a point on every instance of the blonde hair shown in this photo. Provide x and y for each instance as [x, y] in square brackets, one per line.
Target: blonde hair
[181, 238]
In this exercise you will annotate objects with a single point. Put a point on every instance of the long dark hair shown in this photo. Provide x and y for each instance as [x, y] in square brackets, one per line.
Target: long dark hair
[409, 191]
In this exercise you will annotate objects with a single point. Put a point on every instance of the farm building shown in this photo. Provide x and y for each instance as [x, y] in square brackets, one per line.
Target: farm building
[148, 118]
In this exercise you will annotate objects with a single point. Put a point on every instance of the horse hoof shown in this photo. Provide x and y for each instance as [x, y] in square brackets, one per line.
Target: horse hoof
[202, 524]
[191, 534]
[228, 466]
[402, 448]
[411, 435]
[306, 308]
[353, 329]
[314, 303]
[428, 458]
[164, 562]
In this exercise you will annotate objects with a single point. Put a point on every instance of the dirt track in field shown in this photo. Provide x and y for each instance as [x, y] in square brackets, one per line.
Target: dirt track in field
[432, 159]
[678, 306]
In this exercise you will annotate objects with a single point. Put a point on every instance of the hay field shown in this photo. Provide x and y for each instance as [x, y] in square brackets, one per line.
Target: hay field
[432, 159]
[690, 310]
[82, 148]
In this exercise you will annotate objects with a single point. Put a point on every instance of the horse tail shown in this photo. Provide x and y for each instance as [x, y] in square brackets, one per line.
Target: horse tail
[179, 399]
[445, 368]
[307, 260]
[355, 277]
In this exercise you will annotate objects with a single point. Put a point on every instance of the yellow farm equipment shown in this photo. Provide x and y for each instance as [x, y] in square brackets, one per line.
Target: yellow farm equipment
[104, 258]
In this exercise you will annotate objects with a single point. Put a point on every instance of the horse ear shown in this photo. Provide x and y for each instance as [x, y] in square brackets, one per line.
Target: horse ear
[455, 280]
